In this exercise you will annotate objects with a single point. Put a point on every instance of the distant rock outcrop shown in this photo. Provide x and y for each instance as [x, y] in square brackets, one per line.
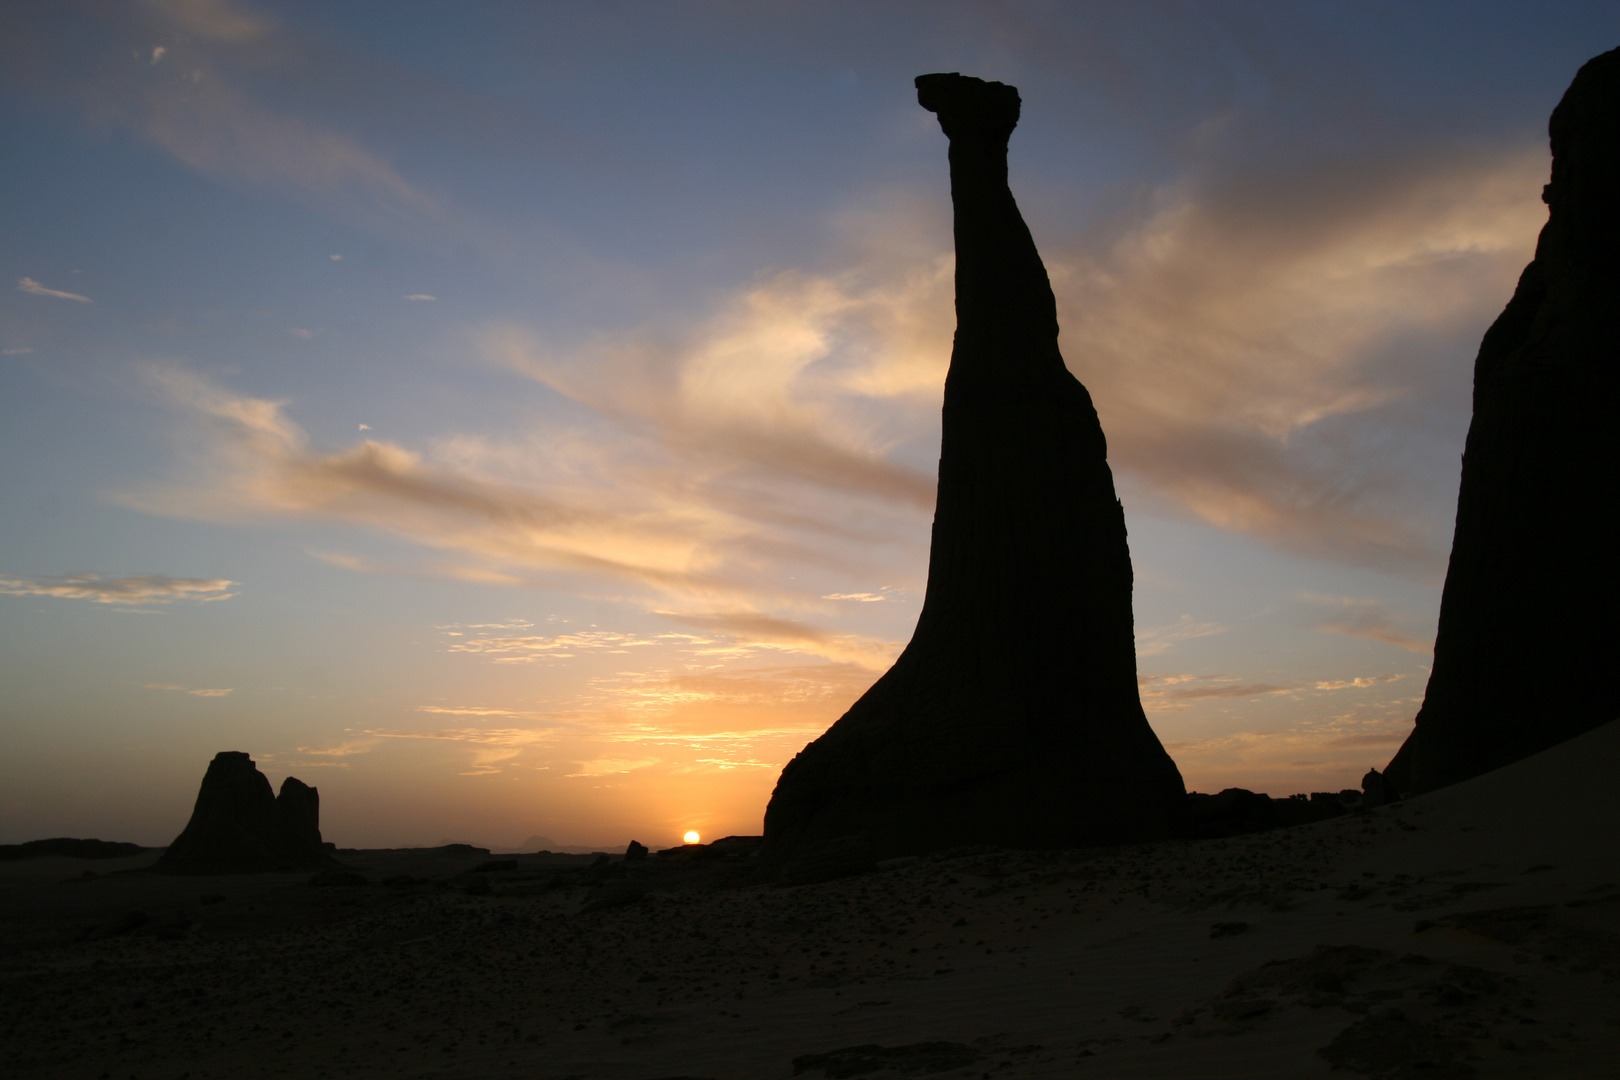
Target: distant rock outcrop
[238, 826]
[1528, 635]
[1012, 718]
[70, 847]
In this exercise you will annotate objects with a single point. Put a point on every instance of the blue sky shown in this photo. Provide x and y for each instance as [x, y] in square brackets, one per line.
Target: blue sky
[520, 419]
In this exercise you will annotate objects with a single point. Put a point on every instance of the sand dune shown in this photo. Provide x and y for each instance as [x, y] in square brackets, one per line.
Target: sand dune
[1476, 929]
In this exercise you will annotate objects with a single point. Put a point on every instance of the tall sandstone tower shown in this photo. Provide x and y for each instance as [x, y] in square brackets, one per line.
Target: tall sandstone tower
[1013, 716]
[1527, 648]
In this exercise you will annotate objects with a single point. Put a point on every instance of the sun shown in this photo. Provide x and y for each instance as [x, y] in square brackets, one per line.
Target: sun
[691, 836]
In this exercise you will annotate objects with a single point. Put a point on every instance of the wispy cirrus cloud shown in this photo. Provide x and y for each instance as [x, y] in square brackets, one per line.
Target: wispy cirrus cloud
[1250, 338]
[1161, 693]
[528, 648]
[256, 463]
[189, 690]
[1157, 640]
[34, 288]
[612, 766]
[786, 380]
[745, 632]
[346, 748]
[201, 97]
[489, 750]
[1364, 617]
[142, 589]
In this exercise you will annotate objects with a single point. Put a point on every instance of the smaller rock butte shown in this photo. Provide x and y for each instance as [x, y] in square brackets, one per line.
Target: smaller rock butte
[238, 826]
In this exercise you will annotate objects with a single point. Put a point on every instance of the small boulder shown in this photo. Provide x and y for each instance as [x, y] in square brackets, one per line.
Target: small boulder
[636, 850]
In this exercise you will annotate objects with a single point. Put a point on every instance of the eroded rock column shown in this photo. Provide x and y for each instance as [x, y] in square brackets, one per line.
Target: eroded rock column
[1013, 716]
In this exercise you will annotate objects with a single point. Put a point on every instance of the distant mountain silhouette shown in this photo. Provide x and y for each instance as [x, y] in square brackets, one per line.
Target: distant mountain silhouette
[1526, 651]
[1013, 716]
[238, 826]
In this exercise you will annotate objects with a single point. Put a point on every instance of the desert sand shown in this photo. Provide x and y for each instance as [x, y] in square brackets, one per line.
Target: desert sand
[1474, 931]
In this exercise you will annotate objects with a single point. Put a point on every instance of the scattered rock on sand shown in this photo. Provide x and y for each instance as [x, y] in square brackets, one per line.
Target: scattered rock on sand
[612, 895]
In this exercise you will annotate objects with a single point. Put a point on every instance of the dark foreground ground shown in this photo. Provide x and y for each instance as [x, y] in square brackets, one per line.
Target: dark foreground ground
[1472, 932]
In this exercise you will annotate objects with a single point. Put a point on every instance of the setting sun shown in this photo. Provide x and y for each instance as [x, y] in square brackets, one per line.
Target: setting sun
[691, 837]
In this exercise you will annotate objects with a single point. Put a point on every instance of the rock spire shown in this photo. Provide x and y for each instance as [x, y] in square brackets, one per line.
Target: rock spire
[1527, 642]
[238, 825]
[1013, 716]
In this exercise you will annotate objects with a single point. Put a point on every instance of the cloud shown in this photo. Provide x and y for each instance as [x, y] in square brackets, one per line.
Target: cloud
[1364, 617]
[421, 296]
[472, 711]
[491, 750]
[1164, 693]
[335, 258]
[19, 351]
[529, 648]
[209, 97]
[787, 380]
[142, 589]
[749, 631]
[612, 766]
[34, 288]
[347, 748]
[255, 463]
[218, 20]
[552, 512]
[188, 690]
[1256, 341]
[1161, 639]
[1358, 683]
[818, 693]
[300, 333]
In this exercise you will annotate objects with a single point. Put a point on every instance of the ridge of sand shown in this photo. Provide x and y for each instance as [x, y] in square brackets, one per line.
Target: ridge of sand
[1474, 931]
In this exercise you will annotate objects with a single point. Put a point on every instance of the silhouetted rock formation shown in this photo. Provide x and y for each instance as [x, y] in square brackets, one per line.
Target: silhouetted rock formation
[1013, 717]
[298, 823]
[1235, 811]
[63, 845]
[1527, 639]
[238, 826]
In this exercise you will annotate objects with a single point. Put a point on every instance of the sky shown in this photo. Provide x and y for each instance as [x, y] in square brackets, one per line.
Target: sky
[520, 420]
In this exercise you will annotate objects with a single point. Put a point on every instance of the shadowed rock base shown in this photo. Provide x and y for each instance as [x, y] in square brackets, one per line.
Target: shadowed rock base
[1528, 637]
[1013, 716]
[238, 826]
